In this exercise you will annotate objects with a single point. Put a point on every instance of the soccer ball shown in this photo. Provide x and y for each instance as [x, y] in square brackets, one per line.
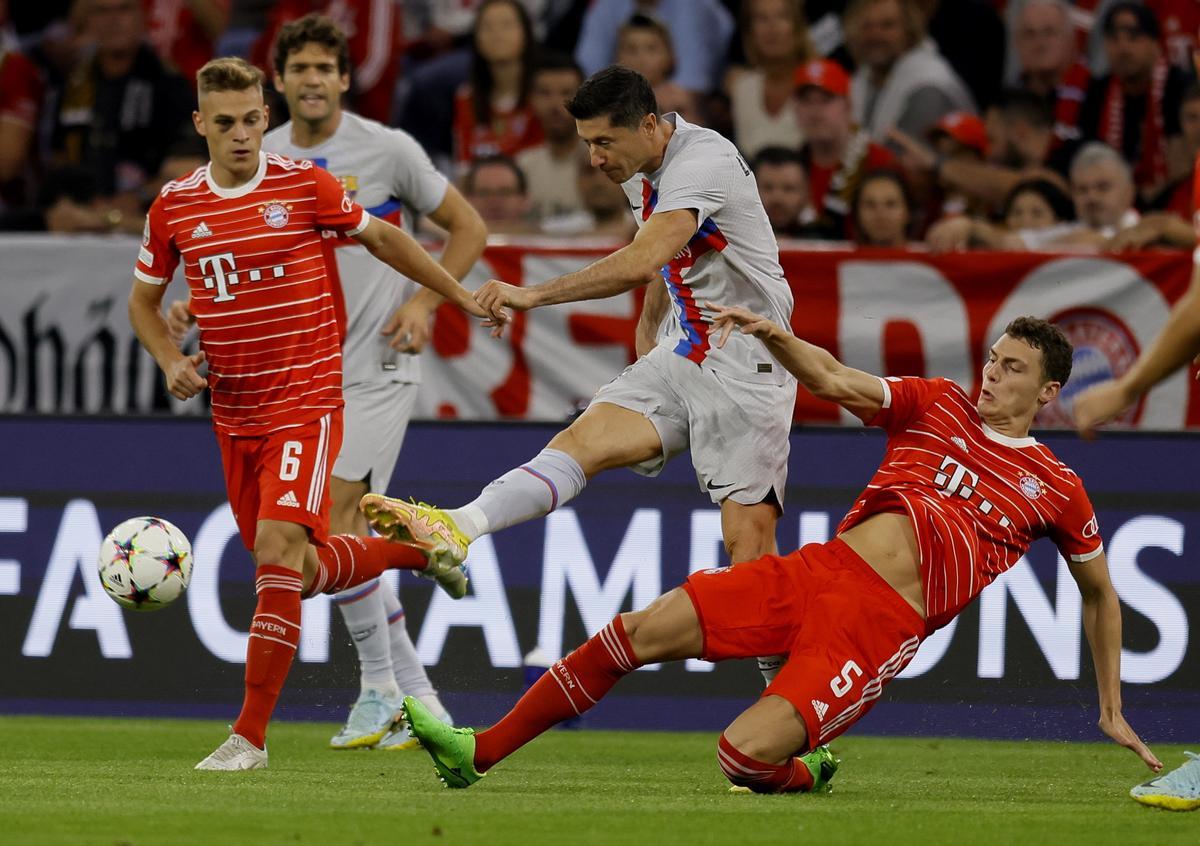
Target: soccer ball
[145, 563]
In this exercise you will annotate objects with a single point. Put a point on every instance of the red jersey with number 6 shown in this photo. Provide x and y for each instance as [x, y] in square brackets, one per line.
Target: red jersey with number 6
[262, 289]
[977, 498]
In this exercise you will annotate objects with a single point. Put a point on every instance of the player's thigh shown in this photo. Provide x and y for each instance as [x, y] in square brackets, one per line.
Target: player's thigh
[294, 469]
[607, 436]
[635, 421]
[667, 629]
[749, 530]
[771, 730]
[740, 437]
[240, 464]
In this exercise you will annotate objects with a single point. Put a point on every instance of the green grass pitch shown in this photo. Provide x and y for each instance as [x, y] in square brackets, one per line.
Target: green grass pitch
[130, 782]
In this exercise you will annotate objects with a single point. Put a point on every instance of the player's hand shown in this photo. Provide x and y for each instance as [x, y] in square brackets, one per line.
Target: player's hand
[183, 380]
[728, 318]
[1115, 726]
[179, 320]
[1098, 405]
[409, 327]
[497, 297]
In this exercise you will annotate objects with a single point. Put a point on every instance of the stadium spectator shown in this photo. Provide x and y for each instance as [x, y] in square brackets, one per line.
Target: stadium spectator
[605, 211]
[185, 32]
[1032, 207]
[1021, 145]
[836, 153]
[21, 89]
[122, 113]
[1135, 108]
[644, 45]
[496, 187]
[491, 113]
[1177, 196]
[1048, 61]
[775, 41]
[373, 30]
[783, 188]
[901, 82]
[883, 210]
[979, 59]
[959, 136]
[551, 167]
[704, 26]
[1180, 24]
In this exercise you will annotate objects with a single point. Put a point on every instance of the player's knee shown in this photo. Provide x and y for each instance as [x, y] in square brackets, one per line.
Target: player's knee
[749, 540]
[280, 543]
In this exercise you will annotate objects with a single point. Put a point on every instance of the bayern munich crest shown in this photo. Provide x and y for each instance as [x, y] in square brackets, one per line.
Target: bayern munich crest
[276, 214]
[1105, 348]
[1031, 486]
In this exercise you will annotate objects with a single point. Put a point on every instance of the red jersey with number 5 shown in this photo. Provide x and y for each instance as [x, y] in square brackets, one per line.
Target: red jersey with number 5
[977, 499]
[262, 289]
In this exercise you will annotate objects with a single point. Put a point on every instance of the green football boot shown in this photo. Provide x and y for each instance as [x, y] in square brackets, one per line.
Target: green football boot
[822, 765]
[452, 749]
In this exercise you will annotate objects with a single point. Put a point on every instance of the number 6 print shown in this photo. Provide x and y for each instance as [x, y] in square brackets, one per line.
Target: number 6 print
[289, 468]
[840, 685]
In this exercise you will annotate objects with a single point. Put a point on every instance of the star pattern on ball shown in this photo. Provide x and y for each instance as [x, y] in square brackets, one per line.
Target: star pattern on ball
[172, 561]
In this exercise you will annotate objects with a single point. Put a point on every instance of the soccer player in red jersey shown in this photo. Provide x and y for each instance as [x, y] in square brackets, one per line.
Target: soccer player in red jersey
[249, 228]
[962, 492]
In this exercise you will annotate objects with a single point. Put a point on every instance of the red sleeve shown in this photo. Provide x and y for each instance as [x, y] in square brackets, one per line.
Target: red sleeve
[905, 398]
[20, 90]
[1076, 532]
[157, 258]
[335, 209]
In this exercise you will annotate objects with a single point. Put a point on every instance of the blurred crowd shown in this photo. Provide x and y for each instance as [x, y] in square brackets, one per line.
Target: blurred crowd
[999, 124]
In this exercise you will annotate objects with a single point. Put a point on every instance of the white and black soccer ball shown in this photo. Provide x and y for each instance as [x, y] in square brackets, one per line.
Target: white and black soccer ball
[145, 563]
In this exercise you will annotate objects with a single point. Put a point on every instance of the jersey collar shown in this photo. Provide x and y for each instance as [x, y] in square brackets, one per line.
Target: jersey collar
[992, 434]
[241, 190]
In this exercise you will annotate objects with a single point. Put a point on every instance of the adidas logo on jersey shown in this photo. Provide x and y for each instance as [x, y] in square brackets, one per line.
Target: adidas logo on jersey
[820, 707]
[201, 231]
[288, 499]
[960, 443]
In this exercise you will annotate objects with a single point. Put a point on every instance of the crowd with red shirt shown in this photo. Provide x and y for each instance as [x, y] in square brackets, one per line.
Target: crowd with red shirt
[821, 96]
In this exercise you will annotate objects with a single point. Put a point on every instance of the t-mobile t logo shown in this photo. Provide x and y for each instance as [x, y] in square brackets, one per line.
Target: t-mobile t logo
[224, 273]
[953, 479]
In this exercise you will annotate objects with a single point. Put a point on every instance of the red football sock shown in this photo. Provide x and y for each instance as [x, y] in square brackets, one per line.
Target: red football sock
[570, 687]
[274, 636]
[348, 560]
[792, 776]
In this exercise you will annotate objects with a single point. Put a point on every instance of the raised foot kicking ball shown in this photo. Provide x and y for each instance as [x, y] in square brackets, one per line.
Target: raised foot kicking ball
[145, 563]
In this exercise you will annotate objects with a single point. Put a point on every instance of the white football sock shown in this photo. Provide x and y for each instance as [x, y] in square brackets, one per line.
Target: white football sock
[547, 481]
[409, 672]
[362, 608]
[770, 665]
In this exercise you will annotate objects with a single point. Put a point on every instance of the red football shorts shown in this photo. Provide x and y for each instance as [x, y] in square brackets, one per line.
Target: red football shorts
[845, 630]
[282, 476]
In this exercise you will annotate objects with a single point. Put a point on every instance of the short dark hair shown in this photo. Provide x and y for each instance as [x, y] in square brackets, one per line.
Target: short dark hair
[1147, 22]
[1045, 336]
[776, 157]
[1022, 104]
[488, 161]
[621, 94]
[552, 60]
[1056, 198]
[311, 29]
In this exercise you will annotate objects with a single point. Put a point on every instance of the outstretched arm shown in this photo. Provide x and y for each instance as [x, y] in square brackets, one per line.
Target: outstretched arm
[1102, 624]
[398, 250]
[1175, 346]
[635, 264]
[825, 377]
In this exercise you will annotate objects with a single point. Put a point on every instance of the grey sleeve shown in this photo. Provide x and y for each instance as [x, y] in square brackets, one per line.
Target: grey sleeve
[925, 107]
[416, 181]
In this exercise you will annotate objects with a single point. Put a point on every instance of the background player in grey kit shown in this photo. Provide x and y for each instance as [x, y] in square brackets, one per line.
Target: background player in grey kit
[703, 236]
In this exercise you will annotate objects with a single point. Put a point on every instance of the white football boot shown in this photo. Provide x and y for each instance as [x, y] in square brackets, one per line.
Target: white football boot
[236, 753]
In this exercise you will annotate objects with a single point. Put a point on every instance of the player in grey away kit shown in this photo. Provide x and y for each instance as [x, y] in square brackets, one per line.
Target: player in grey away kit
[703, 237]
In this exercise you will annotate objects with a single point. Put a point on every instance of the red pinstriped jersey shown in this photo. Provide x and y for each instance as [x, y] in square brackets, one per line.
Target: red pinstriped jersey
[977, 499]
[268, 307]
